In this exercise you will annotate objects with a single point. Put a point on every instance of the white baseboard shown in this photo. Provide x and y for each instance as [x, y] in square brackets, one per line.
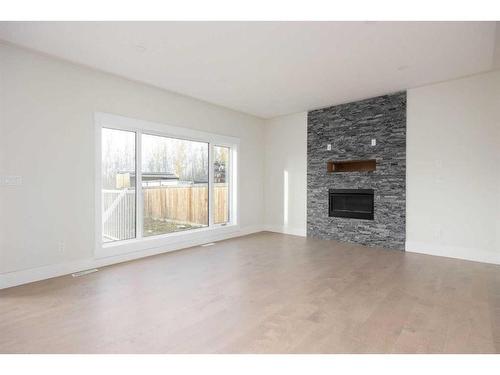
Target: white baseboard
[286, 230]
[457, 252]
[20, 277]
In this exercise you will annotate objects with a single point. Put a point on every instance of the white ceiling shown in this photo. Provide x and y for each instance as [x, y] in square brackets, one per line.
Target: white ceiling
[269, 68]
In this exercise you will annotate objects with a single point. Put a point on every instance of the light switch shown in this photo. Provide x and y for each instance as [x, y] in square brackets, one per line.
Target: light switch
[329, 147]
[12, 180]
[374, 142]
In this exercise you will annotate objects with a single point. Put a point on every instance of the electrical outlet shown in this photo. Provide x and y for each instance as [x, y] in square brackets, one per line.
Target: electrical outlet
[438, 232]
[62, 247]
[329, 147]
[374, 142]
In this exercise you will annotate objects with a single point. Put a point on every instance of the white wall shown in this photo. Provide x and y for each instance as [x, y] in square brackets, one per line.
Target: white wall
[47, 136]
[453, 168]
[496, 52]
[286, 174]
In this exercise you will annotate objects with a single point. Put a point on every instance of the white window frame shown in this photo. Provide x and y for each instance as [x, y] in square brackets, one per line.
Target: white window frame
[139, 243]
[229, 173]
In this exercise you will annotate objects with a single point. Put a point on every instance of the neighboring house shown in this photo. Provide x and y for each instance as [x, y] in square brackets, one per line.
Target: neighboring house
[127, 179]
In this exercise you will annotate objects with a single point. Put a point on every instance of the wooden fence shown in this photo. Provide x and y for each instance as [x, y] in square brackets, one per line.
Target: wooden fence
[220, 206]
[178, 204]
[185, 204]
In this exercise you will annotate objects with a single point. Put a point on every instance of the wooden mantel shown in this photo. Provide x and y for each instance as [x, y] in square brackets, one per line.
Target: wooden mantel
[367, 165]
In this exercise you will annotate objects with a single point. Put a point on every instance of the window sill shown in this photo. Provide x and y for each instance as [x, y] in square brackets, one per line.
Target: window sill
[170, 241]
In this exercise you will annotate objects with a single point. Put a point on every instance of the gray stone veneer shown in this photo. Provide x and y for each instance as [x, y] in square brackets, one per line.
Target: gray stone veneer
[349, 128]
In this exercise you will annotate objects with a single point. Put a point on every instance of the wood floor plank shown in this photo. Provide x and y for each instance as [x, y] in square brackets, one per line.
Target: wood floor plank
[262, 293]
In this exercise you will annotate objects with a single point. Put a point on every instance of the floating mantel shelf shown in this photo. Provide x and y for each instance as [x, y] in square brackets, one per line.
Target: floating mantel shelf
[367, 165]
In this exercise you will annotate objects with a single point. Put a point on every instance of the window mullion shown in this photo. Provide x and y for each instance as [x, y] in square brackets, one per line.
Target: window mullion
[233, 185]
[138, 187]
[210, 184]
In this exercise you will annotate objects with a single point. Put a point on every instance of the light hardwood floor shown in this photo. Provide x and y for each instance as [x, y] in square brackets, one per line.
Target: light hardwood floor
[263, 293]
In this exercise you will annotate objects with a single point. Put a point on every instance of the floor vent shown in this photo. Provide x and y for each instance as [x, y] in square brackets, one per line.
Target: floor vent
[83, 273]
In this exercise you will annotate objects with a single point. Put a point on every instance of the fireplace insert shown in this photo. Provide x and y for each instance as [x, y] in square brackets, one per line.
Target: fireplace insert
[351, 203]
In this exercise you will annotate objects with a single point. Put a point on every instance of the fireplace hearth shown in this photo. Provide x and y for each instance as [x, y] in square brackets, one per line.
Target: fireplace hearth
[351, 203]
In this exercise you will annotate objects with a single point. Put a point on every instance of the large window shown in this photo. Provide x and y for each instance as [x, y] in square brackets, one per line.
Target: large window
[174, 184]
[183, 179]
[118, 185]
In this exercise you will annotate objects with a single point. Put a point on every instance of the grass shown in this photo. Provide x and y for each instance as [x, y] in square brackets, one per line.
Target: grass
[154, 227]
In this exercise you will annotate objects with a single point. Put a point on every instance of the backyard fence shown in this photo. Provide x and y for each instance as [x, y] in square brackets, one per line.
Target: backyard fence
[118, 214]
[178, 204]
[220, 206]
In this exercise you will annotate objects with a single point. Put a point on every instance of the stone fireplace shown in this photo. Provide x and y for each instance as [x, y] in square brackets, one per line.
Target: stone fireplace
[358, 147]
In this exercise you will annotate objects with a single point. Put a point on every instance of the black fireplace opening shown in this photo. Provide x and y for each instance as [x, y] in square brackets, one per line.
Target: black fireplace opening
[351, 203]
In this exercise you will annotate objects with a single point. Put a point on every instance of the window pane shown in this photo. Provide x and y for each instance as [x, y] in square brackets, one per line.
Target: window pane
[174, 184]
[118, 185]
[221, 185]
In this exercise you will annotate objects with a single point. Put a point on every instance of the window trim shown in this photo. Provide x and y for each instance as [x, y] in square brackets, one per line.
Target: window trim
[139, 127]
[229, 180]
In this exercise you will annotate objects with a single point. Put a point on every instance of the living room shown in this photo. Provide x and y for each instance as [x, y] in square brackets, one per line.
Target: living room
[265, 187]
